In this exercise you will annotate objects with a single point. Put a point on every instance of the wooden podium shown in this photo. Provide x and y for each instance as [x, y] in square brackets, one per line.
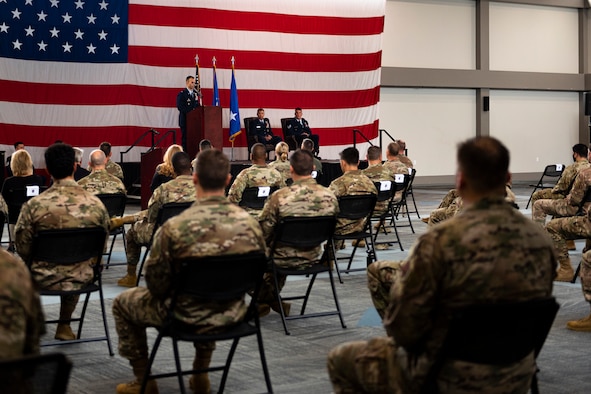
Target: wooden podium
[148, 163]
[204, 122]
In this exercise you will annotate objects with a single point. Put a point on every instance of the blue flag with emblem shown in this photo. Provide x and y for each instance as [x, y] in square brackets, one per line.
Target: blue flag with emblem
[234, 111]
[216, 92]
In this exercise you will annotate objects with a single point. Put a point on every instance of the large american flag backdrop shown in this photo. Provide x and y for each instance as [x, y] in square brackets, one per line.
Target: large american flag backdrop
[85, 71]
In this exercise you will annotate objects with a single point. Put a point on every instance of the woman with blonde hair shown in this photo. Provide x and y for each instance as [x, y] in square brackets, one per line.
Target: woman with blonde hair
[281, 162]
[164, 171]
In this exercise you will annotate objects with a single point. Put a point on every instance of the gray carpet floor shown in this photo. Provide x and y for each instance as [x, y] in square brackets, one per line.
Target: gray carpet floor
[297, 362]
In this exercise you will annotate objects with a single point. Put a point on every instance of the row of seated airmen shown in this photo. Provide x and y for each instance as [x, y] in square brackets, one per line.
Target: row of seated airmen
[411, 296]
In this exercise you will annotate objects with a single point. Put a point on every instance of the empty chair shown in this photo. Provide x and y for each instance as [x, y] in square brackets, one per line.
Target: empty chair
[304, 233]
[549, 177]
[216, 279]
[255, 197]
[35, 374]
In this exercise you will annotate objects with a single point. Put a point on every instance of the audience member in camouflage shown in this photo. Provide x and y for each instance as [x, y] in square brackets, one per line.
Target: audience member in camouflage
[377, 172]
[180, 189]
[281, 162]
[393, 163]
[304, 198]
[64, 205]
[3, 206]
[308, 144]
[564, 184]
[488, 253]
[584, 324]
[259, 174]
[568, 206]
[100, 181]
[111, 167]
[352, 182]
[402, 154]
[561, 230]
[189, 234]
[21, 317]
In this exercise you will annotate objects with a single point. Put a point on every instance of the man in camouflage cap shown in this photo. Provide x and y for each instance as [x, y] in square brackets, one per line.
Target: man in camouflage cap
[100, 181]
[304, 197]
[190, 234]
[180, 189]
[64, 205]
[488, 253]
[21, 320]
[259, 174]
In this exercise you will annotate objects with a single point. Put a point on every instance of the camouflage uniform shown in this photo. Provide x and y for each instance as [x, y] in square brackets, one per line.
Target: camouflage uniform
[101, 182]
[64, 205]
[490, 252]
[21, 317]
[376, 173]
[568, 206]
[114, 169]
[210, 227]
[303, 198]
[564, 184]
[397, 166]
[255, 175]
[3, 206]
[449, 198]
[405, 160]
[351, 183]
[180, 189]
[586, 275]
[283, 168]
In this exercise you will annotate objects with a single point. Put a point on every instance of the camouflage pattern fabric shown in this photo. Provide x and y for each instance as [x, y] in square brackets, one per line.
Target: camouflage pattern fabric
[586, 275]
[351, 183]
[449, 198]
[21, 316]
[564, 184]
[212, 226]
[563, 229]
[489, 252]
[64, 205]
[101, 182]
[282, 167]
[405, 160]
[303, 198]
[180, 189]
[114, 169]
[3, 206]
[377, 173]
[570, 205]
[396, 166]
[255, 175]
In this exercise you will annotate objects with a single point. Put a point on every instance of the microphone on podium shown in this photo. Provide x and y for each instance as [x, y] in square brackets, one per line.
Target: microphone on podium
[154, 132]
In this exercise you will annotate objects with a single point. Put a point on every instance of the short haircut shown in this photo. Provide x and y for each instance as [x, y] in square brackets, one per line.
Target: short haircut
[60, 160]
[401, 145]
[260, 109]
[97, 158]
[17, 143]
[212, 167]
[189, 77]
[302, 162]
[181, 163]
[258, 151]
[204, 145]
[350, 156]
[393, 149]
[297, 109]
[484, 163]
[78, 153]
[21, 163]
[374, 153]
[105, 147]
[581, 150]
[308, 144]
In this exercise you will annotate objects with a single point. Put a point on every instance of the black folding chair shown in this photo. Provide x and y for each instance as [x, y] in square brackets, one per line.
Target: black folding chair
[399, 186]
[548, 180]
[410, 194]
[115, 204]
[35, 374]
[305, 233]
[15, 198]
[356, 207]
[218, 278]
[164, 213]
[496, 334]
[70, 246]
[255, 197]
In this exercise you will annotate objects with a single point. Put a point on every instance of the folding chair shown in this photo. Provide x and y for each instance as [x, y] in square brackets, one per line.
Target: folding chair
[218, 279]
[402, 207]
[70, 246]
[304, 233]
[356, 207]
[255, 197]
[552, 171]
[15, 198]
[115, 204]
[35, 374]
[164, 213]
[409, 193]
[496, 334]
[397, 187]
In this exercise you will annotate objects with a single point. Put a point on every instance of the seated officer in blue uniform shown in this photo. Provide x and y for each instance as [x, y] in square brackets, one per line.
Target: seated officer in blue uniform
[261, 129]
[299, 128]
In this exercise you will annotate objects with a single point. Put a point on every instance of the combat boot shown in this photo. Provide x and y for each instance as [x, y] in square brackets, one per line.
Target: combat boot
[199, 383]
[358, 243]
[67, 306]
[64, 332]
[565, 272]
[583, 324]
[263, 309]
[130, 279]
[286, 307]
[139, 369]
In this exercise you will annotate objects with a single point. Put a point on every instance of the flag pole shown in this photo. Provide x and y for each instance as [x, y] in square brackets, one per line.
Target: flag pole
[232, 139]
[198, 80]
